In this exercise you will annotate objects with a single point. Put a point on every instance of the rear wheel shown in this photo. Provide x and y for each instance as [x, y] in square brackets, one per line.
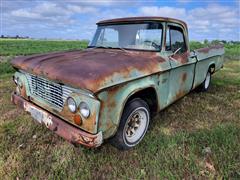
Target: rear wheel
[206, 83]
[133, 125]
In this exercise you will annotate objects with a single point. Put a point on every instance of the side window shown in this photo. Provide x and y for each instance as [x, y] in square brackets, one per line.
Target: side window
[175, 40]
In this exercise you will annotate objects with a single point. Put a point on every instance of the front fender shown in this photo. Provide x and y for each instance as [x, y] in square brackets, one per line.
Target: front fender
[113, 100]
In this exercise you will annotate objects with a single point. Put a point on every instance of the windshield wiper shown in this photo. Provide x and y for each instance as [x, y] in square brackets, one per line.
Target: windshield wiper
[124, 49]
[105, 47]
[109, 47]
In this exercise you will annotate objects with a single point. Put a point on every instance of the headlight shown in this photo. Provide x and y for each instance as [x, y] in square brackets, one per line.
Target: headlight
[17, 81]
[84, 110]
[71, 105]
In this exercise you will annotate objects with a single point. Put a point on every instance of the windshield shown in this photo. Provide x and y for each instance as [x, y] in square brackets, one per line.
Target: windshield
[146, 36]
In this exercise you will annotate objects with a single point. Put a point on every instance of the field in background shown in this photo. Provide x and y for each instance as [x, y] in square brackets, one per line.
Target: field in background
[198, 136]
[16, 47]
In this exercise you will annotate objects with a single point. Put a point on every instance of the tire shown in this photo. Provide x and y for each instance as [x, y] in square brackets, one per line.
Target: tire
[133, 125]
[206, 83]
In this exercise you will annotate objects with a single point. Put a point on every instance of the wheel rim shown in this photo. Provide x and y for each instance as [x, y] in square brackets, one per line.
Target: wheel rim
[207, 80]
[136, 125]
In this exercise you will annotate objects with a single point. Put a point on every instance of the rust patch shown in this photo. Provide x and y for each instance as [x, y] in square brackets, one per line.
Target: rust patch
[207, 49]
[179, 95]
[23, 91]
[92, 68]
[75, 118]
[142, 19]
[89, 123]
[65, 130]
[184, 77]
[108, 123]
[110, 105]
[67, 114]
[182, 58]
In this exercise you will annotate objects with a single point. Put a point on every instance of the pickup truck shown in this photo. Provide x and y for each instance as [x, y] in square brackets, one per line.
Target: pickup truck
[132, 69]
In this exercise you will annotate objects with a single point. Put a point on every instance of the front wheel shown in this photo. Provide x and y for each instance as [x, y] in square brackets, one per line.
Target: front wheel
[133, 125]
[206, 83]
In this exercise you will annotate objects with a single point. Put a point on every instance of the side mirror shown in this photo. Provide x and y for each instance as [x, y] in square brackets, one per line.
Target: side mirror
[192, 54]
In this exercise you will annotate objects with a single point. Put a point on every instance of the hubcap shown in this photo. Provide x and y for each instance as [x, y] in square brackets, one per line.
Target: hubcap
[136, 125]
[207, 80]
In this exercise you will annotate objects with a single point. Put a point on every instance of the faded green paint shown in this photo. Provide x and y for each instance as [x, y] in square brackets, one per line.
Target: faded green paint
[201, 70]
[22, 77]
[114, 99]
[169, 84]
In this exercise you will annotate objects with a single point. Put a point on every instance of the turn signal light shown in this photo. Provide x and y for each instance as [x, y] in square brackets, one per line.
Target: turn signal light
[77, 119]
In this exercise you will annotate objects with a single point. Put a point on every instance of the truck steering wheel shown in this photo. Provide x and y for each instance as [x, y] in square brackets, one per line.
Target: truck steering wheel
[153, 44]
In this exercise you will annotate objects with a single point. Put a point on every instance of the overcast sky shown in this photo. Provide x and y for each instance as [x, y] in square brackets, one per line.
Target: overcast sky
[76, 19]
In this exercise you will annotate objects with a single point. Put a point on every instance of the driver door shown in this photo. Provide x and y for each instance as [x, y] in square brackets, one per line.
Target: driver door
[182, 72]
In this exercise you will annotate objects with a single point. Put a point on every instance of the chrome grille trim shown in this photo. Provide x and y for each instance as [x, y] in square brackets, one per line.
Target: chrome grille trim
[51, 92]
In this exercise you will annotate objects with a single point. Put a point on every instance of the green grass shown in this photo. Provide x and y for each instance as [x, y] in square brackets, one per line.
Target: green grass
[229, 75]
[174, 147]
[5, 67]
[11, 47]
[232, 51]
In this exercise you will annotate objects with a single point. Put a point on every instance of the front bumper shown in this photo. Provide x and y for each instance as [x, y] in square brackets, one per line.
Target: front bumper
[60, 127]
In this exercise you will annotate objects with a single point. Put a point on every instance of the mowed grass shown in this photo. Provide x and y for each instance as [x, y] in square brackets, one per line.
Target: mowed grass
[196, 137]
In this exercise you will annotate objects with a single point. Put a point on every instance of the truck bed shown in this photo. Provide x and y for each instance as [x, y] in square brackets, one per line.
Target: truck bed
[207, 57]
[208, 52]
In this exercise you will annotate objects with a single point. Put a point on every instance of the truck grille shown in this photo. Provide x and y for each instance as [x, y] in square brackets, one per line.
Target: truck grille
[53, 93]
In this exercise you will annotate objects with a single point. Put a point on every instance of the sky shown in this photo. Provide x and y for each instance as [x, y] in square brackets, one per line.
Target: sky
[76, 19]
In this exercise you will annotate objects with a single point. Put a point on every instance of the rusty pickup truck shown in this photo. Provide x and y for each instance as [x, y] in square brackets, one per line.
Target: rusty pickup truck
[133, 68]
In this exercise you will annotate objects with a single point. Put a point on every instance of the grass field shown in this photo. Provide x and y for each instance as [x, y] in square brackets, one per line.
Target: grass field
[196, 137]
[13, 47]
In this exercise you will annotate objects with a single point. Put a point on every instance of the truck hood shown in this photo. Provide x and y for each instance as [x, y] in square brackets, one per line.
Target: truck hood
[91, 69]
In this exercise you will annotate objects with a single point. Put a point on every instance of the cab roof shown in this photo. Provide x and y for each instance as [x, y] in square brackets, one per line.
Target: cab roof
[141, 19]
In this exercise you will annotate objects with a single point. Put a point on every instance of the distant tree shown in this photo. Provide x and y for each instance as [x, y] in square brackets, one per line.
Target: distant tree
[215, 42]
[205, 41]
[196, 45]
[224, 41]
